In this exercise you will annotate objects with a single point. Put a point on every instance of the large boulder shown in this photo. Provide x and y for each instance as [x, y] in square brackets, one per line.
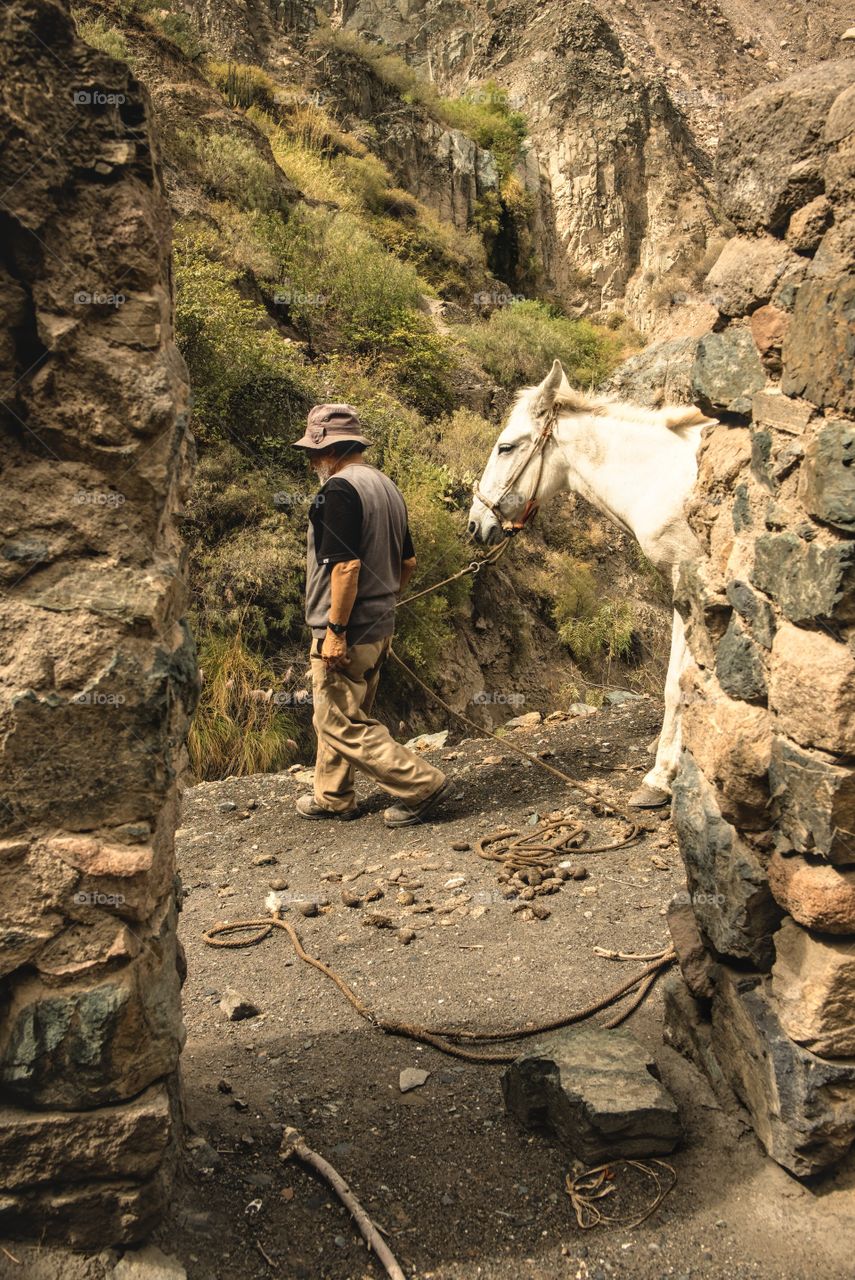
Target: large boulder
[598, 1090]
[812, 688]
[772, 152]
[816, 894]
[802, 1107]
[813, 801]
[727, 372]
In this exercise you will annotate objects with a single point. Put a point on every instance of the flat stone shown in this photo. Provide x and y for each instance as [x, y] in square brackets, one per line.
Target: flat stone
[745, 274]
[815, 893]
[617, 697]
[598, 1090]
[727, 372]
[412, 1078]
[754, 610]
[236, 1007]
[739, 665]
[827, 477]
[727, 882]
[696, 963]
[810, 582]
[38, 1148]
[813, 985]
[527, 721]
[813, 801]
[771, 408]
[428, 741]
[660, 374]
[770, 157]
[812, 688]
[149, 1263]
[802, 1107]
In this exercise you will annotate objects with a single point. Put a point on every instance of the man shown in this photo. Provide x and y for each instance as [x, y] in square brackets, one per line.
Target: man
[360, 558]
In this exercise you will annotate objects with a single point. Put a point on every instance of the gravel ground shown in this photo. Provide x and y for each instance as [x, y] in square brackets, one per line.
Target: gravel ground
[460, 1189]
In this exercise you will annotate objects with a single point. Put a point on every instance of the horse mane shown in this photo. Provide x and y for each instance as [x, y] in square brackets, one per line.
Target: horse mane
[676, 418]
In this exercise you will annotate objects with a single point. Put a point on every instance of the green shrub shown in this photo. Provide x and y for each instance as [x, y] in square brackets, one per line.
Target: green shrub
[590, 625]
[249, 386]
[463, 443]
[518, 344]
[101, 35]
[486, 116]
[170, 20]
[230, 168]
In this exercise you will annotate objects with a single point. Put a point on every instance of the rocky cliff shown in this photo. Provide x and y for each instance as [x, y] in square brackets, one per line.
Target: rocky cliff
[625, 104]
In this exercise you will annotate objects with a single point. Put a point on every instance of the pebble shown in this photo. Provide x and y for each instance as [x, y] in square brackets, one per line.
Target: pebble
[456, 882]
[236, 1007]
[377, 921]
[279, 885]
[350, 899]
[307, 909]
[373, 895]
[460, 846]
[405, 899]
[412, 1078]
[226, 806]
[264, 860]
[581, 873]
[406, 936]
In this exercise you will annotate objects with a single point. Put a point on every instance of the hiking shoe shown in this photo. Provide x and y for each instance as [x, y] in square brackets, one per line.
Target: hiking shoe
[308, 808]
[402, 815]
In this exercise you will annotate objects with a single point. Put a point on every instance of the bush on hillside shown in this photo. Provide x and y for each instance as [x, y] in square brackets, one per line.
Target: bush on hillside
[519, 342]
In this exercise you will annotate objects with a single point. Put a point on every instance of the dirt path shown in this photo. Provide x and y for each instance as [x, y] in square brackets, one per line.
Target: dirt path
[460, 1189]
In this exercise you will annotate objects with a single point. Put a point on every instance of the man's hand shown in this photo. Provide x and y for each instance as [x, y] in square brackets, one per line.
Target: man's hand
[334, 651]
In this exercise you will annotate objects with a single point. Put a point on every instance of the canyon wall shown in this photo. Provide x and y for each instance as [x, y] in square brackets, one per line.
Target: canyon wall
[98, 672]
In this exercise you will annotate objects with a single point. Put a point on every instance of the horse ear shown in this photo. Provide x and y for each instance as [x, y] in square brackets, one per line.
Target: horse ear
[545, 394]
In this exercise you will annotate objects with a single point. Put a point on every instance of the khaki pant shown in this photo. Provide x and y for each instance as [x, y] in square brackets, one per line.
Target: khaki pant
[349, 738]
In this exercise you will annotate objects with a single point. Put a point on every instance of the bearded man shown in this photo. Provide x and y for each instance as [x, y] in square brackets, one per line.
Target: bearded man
[360, 558]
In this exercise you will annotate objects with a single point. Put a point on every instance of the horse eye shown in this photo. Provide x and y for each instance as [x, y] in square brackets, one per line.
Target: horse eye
[506, 448]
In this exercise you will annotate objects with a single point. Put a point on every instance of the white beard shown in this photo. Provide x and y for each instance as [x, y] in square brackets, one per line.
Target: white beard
[324, 471]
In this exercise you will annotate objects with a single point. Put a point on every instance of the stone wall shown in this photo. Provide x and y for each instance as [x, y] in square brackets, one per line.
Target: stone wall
[97, 676]
[764, 803]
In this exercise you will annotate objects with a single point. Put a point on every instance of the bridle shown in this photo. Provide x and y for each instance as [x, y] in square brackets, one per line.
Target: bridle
[538, 446]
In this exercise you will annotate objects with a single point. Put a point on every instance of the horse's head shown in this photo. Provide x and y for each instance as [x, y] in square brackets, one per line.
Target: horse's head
[507, 493]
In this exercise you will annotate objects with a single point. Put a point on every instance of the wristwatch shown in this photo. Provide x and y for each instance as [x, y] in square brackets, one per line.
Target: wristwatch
[337, 628]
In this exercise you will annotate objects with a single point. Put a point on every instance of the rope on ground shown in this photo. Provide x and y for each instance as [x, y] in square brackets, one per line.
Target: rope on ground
[294, 1145]
[444, 1038]
[586, 1186]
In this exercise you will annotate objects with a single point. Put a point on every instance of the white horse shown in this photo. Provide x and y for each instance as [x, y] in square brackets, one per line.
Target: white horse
[637, 466]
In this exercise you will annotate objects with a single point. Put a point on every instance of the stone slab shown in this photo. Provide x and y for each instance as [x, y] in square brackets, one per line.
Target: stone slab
[597, 1090]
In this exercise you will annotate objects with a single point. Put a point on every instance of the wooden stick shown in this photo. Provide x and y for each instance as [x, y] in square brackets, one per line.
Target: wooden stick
[293, 1145]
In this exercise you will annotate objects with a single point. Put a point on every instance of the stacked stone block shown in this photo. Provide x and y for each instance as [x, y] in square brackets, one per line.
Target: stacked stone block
[764, 802]
[98, 671]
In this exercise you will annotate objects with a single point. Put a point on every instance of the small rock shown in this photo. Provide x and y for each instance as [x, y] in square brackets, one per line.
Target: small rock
[580, 873]
[412, 1078]
[309, 908]
[406, 936]
[237, 1007]
[226, 806]
[350, 899]
[264, 860]
[377, 921]
[527, 721]
[456, 882]
[375, 894]
[460, 846]
[405, 899]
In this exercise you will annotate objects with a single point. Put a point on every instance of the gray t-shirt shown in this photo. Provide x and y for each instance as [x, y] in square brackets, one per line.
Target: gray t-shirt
[359, 514]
